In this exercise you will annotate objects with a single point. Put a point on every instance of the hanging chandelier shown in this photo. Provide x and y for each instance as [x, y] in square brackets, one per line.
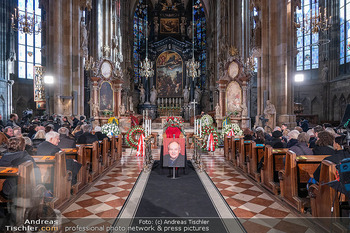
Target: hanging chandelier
[146, 66]
[25, 22]
[314, 21]
[192, 66]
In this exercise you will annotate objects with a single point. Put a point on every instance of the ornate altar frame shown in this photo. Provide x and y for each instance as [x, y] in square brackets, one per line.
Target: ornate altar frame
[114, 77]
[234, 72]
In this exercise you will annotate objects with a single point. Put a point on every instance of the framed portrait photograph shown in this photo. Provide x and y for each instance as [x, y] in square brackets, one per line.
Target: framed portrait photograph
[106, 97]
[174, 152]
[169, 25]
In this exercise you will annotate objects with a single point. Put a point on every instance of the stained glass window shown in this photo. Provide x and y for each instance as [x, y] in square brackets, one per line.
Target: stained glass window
[139, 36]
[344, 16]
[29, 46]
[307, 57]
[200, 37]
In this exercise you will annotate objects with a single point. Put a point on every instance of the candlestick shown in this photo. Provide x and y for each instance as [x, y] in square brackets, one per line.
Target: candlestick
[200, 129]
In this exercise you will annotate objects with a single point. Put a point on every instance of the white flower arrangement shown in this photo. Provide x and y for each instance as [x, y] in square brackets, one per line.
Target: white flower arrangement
[227, 129]
[207, 120]
[110, 129]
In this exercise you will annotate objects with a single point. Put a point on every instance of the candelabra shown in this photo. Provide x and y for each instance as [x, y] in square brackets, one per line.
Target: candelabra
[147, 68]
[249, 65]
[25, 23]
[192, 68]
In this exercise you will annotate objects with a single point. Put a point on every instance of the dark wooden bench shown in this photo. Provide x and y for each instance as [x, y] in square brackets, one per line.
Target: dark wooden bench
[55, 177]
[25, 178]
[294, 177]
[273, 163]
[253, 159]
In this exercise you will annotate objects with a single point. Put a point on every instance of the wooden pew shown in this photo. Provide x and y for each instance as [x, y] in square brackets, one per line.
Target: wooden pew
[55, 177]
[92, 155]
[78, 155]
[234, 150]
[273, 163]
[322, 196]
[254, 157]
[297, 172]
[227, 147]
[244, 148]
[25, 186]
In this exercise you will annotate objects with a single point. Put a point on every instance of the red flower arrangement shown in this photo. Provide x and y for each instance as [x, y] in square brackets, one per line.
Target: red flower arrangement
[206, 131]
[131, 140]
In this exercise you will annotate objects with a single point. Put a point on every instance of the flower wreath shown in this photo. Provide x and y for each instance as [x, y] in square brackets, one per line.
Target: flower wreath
[131, 140]
[113, 120]
[207, 120]
[206, 131]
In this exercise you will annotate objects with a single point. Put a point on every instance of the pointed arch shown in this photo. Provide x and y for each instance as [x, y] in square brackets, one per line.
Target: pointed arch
[342, 106]
[335, 108]
[306, 104]
[316, 106]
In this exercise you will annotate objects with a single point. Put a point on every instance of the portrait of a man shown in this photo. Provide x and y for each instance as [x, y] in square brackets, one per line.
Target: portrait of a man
[174, 152]
[106, 97]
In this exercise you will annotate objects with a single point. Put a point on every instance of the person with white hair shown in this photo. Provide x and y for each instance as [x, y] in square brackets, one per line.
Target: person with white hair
[65, 140]
[49, 147]
[99, 134]
[292, 138]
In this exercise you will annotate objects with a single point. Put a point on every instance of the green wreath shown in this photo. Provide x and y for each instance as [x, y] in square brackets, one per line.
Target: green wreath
[206, 131]
[131, 139]
[207, 120]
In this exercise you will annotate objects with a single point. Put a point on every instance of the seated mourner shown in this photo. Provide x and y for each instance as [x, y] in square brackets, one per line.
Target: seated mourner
[87, 137]
[301, 148]
[65, 140]
[99, 134]
[277, 140]
[49, 147]
[16, 155]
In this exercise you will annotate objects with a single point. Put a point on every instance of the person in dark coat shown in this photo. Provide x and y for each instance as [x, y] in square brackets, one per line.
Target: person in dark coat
[38, 138]
[277, 140]
[87, 137]
[65, 140]
[49, 147]
[305, 125]
[16, 155]
[260, 139]
[13, 120]
[75, 121]
[248, 134]
[99, 134]
[324, 146]
[301, 148]
[293, 138]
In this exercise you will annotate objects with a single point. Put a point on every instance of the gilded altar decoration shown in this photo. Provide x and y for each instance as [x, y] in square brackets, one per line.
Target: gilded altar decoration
[106, 97]
[169, 74]
[169, 25]
[39, 88]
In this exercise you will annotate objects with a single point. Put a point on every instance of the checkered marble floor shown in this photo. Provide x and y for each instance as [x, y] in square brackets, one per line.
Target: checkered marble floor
[257, 210]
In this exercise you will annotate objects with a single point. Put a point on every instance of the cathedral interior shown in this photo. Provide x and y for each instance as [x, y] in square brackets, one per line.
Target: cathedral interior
[258, 63]
[271, 42]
